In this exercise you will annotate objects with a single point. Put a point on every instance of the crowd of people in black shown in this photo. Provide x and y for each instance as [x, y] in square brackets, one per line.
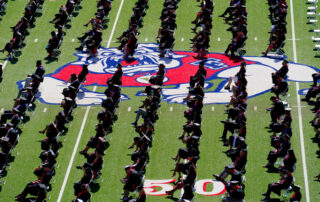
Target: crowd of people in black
[168, 26]
[94, 160]
[92, 39]
[282, 155]
[11, 119]
[201, 41]
[235, 124]
[278, 14]
[20, 30]
[191, 136]
[128, 39]
[65, 11]
[133, 181]
[313, 92]
[237, 19]
[51, 144]
[60, 20]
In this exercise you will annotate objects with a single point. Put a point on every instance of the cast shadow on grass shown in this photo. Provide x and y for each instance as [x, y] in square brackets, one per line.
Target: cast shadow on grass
[68, 26]
[51, 59]
[94, 187]
[26, 119]
[65, 131]
[32, 107]
[172, 198]
[13, 60]
[78, 7]
[104, 27]
[75, 14]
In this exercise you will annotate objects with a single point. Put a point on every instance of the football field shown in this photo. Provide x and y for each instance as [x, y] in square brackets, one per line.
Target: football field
[299, 51]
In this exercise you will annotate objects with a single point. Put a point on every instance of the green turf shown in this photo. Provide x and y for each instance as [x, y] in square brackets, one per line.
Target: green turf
[169, 125]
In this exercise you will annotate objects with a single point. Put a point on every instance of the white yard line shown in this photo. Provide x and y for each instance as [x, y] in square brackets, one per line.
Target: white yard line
[85, 117]
[45, 109]
[212, 108]
[304, 164]
[115, 24]
[171, 109]
[129, 109]
[5, 63]
[72, 40]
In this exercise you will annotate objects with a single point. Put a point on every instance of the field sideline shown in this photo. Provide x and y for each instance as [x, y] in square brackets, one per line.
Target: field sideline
[298, 49]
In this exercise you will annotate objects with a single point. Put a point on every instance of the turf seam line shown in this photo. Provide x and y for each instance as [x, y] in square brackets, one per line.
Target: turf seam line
[86, 115]
[304, 165]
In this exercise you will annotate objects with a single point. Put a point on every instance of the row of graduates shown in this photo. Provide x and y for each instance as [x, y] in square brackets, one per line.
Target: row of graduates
[282, 154]
[65, 11]
[236, 124]
[237, 19]
[92, 38]
[200, 42]
[186, 158]
[20, 30]
[37, 190]
[94, 160]
[168, 26]
[128, 39]
[3, 5]
[133, 180]
[60, 20]
[313, 92]
[278, 31]
[11, 119]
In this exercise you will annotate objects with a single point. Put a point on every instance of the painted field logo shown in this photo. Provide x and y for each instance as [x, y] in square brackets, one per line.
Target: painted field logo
[179, 68]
